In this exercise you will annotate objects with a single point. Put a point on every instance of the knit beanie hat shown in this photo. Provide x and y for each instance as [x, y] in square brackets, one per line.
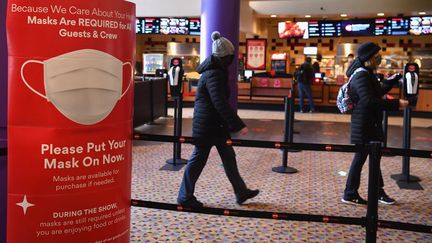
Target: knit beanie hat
[221, 46]
[367, 50]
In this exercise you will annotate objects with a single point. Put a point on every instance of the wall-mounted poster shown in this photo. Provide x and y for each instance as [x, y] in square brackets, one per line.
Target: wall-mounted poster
[256, 54]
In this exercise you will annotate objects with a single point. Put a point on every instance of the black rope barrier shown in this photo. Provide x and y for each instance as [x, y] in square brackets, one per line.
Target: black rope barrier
[370, 222]
[283, 216]
[3, 151]
[251, 214]
[281, 145]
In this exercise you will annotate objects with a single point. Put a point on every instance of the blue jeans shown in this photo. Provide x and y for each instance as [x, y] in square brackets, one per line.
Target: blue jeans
[305, 89]
[196, 165]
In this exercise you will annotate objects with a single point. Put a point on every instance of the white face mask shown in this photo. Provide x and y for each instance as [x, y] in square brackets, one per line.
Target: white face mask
[83, 85]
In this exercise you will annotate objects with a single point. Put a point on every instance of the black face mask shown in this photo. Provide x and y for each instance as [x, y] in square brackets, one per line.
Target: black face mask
[226, 60]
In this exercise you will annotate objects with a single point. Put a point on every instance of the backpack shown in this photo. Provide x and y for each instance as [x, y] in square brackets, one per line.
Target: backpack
[343, 100]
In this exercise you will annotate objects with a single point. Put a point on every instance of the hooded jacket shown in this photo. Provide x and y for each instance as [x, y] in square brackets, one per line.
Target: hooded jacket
[213, 117]
[367, 114]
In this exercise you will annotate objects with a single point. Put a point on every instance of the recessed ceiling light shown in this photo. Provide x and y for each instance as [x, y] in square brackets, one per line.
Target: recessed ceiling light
[422, 13]
[273, 16]
[344, 15]
[307, 16]
[380, 14]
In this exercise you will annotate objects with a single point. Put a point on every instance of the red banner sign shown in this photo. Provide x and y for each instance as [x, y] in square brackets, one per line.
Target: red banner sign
[70, 120]
[256, 54]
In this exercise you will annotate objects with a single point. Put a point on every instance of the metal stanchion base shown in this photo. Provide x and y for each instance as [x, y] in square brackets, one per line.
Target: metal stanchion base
[285, 170]
[402, 177]
[171, 167]
[403, 184]
[178, 161]
[409, 186]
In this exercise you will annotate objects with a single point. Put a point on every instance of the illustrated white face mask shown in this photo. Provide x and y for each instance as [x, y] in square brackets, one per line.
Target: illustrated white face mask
[84, 85]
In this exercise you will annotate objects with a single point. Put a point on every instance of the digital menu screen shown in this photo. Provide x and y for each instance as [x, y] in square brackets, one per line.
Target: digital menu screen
[150, 25]
[173, 26]
[324, 28]
[381, 26]
[360, 27]
[330, 28]
[194, 26]
[289, 29]
[398, 26]
[138, 26]
[420, 25]
[314, 29]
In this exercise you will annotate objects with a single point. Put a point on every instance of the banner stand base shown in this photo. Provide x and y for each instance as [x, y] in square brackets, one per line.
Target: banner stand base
[285, 170]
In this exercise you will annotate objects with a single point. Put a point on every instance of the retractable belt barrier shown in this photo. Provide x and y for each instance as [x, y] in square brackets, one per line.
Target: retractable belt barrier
[283, 216]
[370, 222]
[280, 145]
[3, 151]
[252, 214]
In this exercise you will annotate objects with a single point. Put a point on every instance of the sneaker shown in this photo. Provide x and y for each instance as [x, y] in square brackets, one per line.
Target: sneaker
[384, 199]
[193, 203]
[248, 195]
[354, 201]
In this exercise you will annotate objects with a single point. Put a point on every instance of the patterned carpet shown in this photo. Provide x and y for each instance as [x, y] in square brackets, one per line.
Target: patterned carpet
[315, 189]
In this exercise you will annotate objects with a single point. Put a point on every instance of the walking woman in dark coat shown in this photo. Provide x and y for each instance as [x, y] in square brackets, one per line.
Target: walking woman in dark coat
[367, 115]
[213, 121]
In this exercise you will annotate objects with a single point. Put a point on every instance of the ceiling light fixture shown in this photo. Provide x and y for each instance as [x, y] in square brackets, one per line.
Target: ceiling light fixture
[307, 16]
[380, 14]
[422, 13]
[344, 15]
[273, 16]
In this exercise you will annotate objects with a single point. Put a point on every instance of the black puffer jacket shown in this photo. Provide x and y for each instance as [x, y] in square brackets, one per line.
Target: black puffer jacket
[213, 117]
[367, 93]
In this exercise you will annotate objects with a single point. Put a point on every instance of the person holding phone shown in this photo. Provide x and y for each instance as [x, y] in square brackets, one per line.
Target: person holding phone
[366, 119]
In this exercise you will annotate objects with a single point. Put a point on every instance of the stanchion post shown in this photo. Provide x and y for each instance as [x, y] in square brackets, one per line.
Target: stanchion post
[288, 135]
[405, 180]
[174, 160]
[385, 126]
[373, 187]
[176, 163]
[179, 126]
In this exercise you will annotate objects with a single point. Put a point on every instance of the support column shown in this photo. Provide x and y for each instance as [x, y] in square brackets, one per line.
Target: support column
[223, 16]
[3, 119]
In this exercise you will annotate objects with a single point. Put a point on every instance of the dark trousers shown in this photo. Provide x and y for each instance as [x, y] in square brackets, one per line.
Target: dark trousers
[353, 180]
[305, 90]
[196, 165]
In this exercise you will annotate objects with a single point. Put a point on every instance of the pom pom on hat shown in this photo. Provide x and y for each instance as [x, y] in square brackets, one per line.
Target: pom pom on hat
[221, 46]
[215, 35]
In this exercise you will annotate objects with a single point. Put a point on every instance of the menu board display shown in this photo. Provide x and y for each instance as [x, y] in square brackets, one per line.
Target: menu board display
[194, 26]
[289, 29]
[174, 26]
[421, 25]
[138, 26]
[324, 28]
[392, 26]
[150, 25]
[330, 28]
[398, 26]
[381, 26]
[360, 27]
